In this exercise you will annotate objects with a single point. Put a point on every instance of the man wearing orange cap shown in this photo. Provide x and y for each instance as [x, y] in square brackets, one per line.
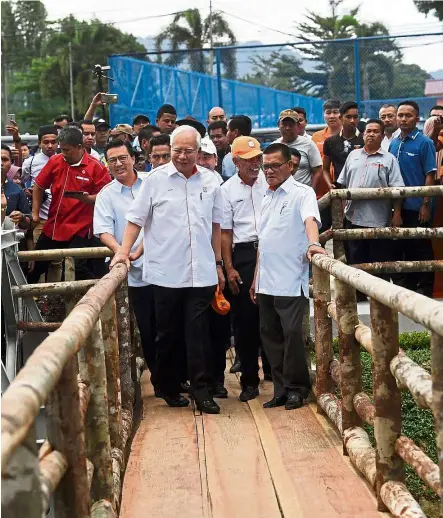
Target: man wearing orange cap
[243, 194]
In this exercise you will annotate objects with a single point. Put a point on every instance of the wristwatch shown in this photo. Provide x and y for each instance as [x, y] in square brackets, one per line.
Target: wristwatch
[315, 243]
[219, 263]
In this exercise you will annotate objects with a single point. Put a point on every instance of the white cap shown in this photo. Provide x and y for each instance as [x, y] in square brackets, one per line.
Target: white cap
[207, 146]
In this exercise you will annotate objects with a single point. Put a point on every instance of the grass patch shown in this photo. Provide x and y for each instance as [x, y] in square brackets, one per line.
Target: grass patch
[418, 424]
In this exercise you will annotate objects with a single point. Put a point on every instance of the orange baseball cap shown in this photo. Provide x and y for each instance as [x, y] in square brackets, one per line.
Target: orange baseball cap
[246, 147]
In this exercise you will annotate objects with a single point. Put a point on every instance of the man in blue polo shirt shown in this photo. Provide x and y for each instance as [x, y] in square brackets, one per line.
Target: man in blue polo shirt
[416, 155]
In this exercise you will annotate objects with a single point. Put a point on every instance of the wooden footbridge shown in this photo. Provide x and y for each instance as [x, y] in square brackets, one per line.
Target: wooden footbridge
[110, 448]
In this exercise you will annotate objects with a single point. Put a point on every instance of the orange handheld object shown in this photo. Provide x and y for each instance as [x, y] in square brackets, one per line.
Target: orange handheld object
[219, 304]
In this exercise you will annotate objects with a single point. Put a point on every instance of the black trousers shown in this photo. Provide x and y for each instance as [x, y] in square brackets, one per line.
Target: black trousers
[281, 328]
[244, 258]
[142, 300]
[369, 250]
[84, 268]
[415, 250]
[172, 307]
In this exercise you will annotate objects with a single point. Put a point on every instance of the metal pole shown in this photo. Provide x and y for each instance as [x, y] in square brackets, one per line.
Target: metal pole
[219, 77]
[211, 43]
[71, 81]
[357, 70]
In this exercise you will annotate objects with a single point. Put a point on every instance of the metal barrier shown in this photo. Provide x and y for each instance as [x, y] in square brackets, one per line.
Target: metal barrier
[383, 466]
[84, 373]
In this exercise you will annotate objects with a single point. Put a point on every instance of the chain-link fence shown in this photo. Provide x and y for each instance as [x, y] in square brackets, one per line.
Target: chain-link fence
[260, 81]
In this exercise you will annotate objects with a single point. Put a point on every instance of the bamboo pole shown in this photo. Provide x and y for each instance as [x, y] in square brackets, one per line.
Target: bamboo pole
[84, 395]
[48, 327]
[90, 472]
[363, 336]
[325, 236]
[437, 400]
[334, 370]
[332, 408]
[98, 445]
[350, 372]
[66, 288]
[117, 468]
[323, 331]
[420, 309]
[425, 468]
[386, 193]
[126, 356]
[61, 253]
[399, 501]
[108, 319]
[387, 233]
[103, 509]
[409, 375]
[364, 408]
[22, 400]
[337, 224]
[387, 397]
[401, 266]
[52, 469]
[66, 434]
[324, 201]
[361, 453]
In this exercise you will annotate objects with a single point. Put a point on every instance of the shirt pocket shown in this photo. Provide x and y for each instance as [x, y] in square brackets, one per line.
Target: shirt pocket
[284, 219]
[206, 205]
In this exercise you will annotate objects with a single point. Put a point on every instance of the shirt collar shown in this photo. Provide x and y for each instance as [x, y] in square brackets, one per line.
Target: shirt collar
[173, 170]
[83, 161]
[357, 133]
[380, 151]
[411, 135]
[121, 186]
[286, 185]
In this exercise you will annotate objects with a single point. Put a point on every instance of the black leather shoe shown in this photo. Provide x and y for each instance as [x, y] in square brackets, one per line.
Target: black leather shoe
[208, 406]
[184, 387]
[220, 392]
[267, 376]
[293, 402]
[248, 393]
[275, 401]
[236, 367]
[176, 400]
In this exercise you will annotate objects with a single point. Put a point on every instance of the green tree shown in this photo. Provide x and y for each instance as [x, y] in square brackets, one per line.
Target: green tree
[434, 8]
[188, 31]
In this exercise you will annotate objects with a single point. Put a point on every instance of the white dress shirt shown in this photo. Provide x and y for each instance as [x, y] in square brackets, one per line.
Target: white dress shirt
[283, 266]
[30, 170]
[242, 207]
[177, 215]
[111, 205]
[386, 141]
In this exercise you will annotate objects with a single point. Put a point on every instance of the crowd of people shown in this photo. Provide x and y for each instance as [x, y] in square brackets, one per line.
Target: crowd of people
[200, 214]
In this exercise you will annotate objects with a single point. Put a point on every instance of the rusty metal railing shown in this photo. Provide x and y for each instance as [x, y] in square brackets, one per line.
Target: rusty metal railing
[83, 373]
[383, 465]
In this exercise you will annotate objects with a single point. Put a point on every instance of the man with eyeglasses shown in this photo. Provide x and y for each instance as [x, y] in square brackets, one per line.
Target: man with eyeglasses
[180, 209]
[337, 148]
[309, 170]
[160, 150]
[288, 237]
[243, 196]
[111, 206]
[388, 115]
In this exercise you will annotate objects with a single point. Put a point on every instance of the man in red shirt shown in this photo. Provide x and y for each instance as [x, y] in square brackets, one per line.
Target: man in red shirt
[75, 178]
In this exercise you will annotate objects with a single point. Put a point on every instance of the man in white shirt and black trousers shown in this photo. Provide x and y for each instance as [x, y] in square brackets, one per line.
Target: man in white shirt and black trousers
[288, 238]
[180, 209]
[243, 195]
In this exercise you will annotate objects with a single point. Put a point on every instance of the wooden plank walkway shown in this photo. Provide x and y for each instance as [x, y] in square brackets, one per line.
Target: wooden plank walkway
[244, 462]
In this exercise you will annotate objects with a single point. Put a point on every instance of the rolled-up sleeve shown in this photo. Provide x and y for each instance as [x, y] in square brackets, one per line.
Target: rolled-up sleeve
[104, 221]
[141, 208]
[309, 207]
[217, 209]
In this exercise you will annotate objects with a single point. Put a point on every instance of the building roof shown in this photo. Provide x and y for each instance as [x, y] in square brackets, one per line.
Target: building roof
[434, 87]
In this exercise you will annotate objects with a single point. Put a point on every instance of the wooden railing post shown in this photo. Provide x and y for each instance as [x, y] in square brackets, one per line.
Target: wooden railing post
[337, 223]
[98, 444]
[437, 400]
[323, 331]
[387, 397]
[350, 365]
[66, 434]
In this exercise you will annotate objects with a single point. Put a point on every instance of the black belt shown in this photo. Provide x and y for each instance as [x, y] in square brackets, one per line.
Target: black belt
[250, 245]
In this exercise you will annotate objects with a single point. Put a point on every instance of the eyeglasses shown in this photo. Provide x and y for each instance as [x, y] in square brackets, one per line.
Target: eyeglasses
[122, 159]
[187, 152]
[275, 166]
[165, 156]
[389, 116]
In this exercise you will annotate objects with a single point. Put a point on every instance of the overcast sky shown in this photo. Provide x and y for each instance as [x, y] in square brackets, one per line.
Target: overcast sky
[268, 22]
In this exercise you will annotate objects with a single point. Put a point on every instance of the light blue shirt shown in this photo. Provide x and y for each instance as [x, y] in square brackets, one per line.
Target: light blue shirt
[228, 166]
[111, 205]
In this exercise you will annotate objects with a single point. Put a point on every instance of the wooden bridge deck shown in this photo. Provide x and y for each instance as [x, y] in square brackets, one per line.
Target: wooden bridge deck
[244, 462]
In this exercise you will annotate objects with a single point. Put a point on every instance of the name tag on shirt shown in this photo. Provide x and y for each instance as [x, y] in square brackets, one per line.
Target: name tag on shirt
[83, 178]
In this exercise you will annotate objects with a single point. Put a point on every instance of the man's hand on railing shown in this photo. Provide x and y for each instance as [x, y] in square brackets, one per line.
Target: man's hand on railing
[120, 257]
[315, 249]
